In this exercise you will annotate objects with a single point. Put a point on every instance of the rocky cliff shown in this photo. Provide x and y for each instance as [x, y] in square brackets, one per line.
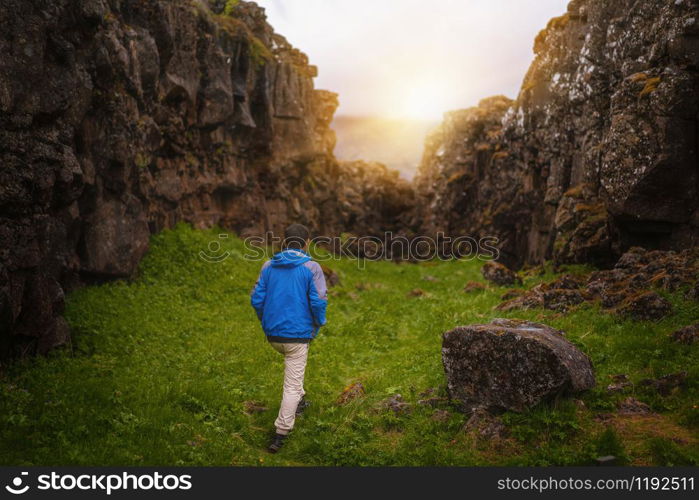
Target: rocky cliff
[598, 152]
[119, 118]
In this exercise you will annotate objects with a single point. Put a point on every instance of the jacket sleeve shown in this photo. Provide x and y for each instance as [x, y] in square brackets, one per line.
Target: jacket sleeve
[259, 292]
[318, 294]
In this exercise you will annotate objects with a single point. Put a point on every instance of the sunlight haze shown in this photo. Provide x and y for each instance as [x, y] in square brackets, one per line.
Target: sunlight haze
[414, 59]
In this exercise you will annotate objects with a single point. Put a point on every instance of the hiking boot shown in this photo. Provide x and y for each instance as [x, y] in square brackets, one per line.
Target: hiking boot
[276, 443]
[303, 404]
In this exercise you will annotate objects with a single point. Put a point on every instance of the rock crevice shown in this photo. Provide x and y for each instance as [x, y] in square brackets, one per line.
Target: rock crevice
[120, 118]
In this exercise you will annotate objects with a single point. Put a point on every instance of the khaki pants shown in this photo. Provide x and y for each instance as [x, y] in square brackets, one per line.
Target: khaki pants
[295, 357]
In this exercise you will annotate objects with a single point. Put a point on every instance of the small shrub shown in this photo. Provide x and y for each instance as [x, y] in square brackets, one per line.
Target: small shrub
[609, 443]
[690, 417]
[665, 452]
[230, 7]
[259, 53]
[142, 160]
[559, 22]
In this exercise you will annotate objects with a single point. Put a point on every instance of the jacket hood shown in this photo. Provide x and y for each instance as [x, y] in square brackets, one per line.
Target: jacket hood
[290, 258]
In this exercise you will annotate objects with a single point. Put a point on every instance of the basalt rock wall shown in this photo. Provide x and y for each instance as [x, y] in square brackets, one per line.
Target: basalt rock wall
[120, 118]
[598, 153]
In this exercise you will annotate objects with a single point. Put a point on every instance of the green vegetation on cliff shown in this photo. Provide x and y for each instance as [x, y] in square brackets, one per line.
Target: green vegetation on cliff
[172, 368]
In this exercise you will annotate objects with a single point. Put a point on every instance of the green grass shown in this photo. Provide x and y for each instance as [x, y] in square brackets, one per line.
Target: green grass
[161, 367]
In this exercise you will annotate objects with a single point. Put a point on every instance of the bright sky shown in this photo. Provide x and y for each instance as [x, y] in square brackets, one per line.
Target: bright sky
[414, 58]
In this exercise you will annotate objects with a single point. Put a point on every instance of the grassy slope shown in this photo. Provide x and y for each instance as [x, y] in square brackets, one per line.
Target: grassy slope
[162, 366]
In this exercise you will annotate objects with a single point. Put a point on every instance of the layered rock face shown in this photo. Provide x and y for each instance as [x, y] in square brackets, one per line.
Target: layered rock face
[119, 118]
[598, 152]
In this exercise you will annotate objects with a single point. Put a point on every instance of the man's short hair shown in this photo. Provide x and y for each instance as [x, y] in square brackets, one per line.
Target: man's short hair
[296, 236]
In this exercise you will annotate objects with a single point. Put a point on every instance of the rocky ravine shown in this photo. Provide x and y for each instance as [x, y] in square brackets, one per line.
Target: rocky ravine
[119, 118]
[597, 154]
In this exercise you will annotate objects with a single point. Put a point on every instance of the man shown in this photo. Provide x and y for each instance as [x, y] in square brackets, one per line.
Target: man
[290, 298]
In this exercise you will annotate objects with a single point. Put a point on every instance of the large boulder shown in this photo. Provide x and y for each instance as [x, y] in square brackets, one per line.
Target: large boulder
[512, 365]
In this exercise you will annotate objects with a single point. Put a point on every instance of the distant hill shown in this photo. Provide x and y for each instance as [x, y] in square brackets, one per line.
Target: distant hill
[396, 143]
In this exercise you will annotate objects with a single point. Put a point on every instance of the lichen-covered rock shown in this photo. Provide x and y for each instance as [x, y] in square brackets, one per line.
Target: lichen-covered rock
[639, 270]
[620, 383]
[485, 426]
[558, 295]
[512, 365]
[666, 384]
[687, 335]
[499, 274]
[567, 282]
[562, 299]
[396, 404]
[645, 306]
[527, 299]
[626, 289]
[351, 392]
[474, 286]
[632, 407]
[597, 153]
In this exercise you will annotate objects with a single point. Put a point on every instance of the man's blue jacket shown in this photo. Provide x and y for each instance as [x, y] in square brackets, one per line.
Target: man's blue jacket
[290, 297]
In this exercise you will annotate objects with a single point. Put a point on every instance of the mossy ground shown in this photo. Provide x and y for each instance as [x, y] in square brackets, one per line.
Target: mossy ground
[162, 367]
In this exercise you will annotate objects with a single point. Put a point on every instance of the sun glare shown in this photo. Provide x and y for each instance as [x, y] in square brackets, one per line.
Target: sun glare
[419, 99]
